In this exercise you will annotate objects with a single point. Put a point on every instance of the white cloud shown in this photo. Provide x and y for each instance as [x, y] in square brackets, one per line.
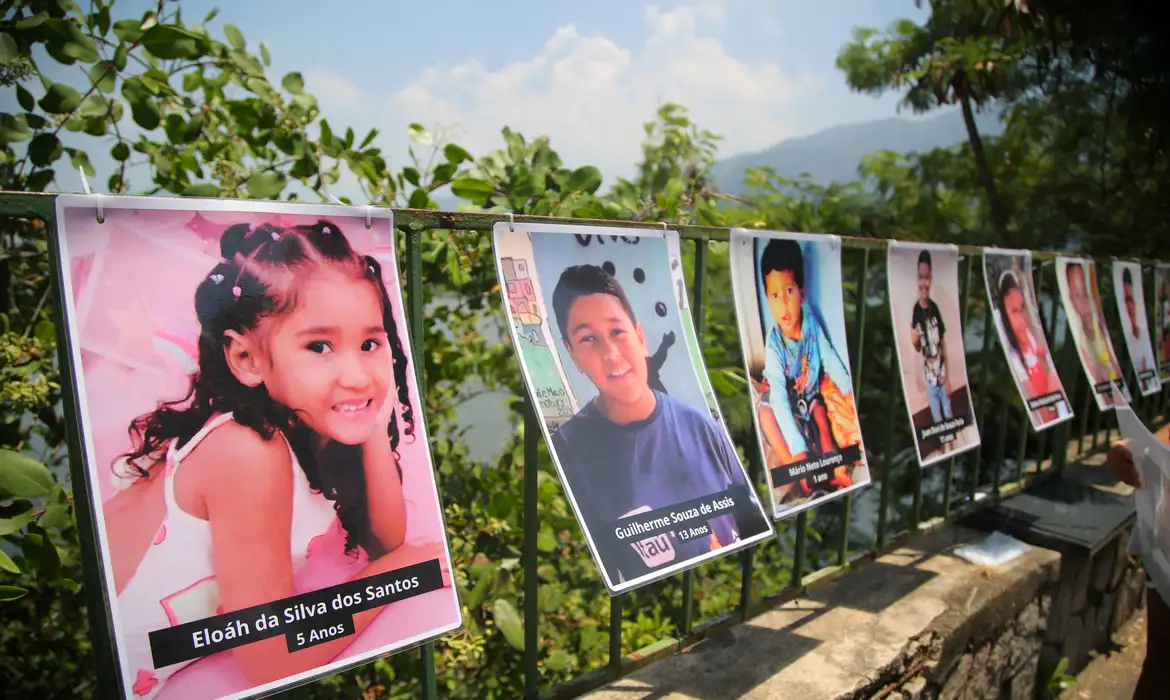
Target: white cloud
[591, 95]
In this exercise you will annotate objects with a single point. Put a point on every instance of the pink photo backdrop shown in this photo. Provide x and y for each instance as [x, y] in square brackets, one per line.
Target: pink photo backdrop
[133, 282]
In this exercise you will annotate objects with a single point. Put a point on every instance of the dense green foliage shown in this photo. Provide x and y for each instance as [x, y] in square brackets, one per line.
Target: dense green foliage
[1069, 170]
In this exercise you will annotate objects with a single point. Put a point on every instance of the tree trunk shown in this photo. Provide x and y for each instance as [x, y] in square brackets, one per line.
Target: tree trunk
[994, 205]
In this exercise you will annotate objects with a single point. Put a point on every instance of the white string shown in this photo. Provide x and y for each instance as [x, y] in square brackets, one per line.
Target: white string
[369, 217]
[101, 216]
[511, 222]
[325, 188]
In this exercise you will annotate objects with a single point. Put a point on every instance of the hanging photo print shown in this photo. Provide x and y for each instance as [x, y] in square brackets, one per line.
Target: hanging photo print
[1151, 456]
[607, 354]
[788, 301]
[1131, 307]
[1162, 318]
[924, 307]
[254, 440]
[1008, 275]
[1077, 279]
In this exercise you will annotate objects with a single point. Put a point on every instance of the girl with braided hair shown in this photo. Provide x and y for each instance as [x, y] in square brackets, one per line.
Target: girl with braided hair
[286, 441]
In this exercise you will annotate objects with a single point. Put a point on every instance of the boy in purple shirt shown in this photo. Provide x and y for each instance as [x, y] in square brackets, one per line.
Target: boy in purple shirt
[632, 449]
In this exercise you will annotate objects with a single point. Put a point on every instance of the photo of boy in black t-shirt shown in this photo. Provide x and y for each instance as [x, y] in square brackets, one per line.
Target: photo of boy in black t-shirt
[927, 330]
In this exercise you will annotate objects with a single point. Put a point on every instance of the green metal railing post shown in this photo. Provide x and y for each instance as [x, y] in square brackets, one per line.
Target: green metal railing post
[531, 531]
[981, 400]
[747, 557]
[698, 314]
[861, 308]
[414, 302]
[615, 635]
[887, 468]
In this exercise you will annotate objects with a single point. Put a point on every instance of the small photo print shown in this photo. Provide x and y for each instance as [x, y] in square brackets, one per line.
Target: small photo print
[608, 352]
[924, 307]
[1131, 308]
[788, 301]
[1162, 318]
[1077, 280]
[1008, 276]
[254, 439]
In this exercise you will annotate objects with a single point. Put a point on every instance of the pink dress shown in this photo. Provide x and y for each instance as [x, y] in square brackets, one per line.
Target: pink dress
[175, 582]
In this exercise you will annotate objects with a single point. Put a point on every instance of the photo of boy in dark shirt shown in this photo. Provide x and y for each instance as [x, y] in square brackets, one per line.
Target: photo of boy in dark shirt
[927, 332]
[633, 449]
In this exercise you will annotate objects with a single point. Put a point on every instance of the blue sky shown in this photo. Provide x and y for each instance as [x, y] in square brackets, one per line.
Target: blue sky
[588, 75]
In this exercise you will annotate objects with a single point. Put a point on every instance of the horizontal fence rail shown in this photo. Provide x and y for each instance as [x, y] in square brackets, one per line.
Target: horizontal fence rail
[971, 481]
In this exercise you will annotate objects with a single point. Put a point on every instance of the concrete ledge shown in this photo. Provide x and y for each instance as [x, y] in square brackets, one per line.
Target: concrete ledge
[902, 620]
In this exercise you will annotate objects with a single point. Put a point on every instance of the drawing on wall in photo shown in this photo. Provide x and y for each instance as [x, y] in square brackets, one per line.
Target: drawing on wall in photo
[1008, 277]
[1077, 280]
[652, 475]
[1162, 318]
[923, 284]
[1131, 308]
[1152, 500]
[791, 317]
[531, 329]
[246, 395]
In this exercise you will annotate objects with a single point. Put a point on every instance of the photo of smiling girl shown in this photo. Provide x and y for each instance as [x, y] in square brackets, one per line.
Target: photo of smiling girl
[1008, 277]
[294, 458]
[652, 475]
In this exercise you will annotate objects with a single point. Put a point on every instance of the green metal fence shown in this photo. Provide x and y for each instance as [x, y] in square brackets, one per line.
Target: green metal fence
[1048, 451]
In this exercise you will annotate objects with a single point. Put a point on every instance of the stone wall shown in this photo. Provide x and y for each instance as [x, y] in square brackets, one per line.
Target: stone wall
[1097, 595]
[1093, 597]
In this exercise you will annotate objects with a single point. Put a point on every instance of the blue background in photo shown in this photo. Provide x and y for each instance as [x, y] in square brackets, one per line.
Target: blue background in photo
[823, 291]
[553, 252]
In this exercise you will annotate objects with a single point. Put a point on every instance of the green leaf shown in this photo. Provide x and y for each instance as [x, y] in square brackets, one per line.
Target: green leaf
[10, 593]
[13, 524]
[455, 153]
[368, 139]
[546, 541]
[8, 565]
[94, 106]
[46, 558]
[559, 660]
[55, 517]
[23, 476]
[60, 99]
[25, 98]
[45, 331]
[14, 128]
[419, 134]
[410, 175]
[39, 180]
[169, 42]
[175, 127]
[120, 55]
[234, 36]
[202, 189]
[143, 106]
[509, 622]
[9, 51]
[211, 15]
[265, 185]
[128, 30]
[44, 149]
[294, 83]
[104, 75]
[80, 160]
[265, 57]
[419, 199]
[81, 47]
[586, 179]
[472, 189]
[120, 151]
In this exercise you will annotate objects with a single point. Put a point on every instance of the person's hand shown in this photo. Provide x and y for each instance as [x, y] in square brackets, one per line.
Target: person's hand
[1119, 460]
[915, 336]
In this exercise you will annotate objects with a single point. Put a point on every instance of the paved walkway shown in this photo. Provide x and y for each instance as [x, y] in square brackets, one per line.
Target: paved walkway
[1113, 674]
